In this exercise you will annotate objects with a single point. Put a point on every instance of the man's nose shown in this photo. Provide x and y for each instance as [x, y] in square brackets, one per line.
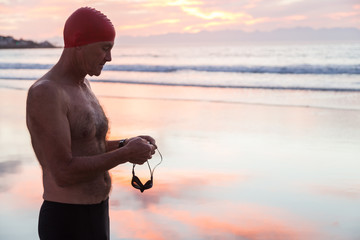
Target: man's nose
[108, 56]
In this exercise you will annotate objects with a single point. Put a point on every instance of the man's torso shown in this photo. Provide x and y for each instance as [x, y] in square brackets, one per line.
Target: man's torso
[88, 127]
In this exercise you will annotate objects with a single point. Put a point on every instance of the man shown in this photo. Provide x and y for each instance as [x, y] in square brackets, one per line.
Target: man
[68, 131]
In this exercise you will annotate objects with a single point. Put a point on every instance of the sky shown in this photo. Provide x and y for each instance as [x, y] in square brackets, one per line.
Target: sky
[44, 19]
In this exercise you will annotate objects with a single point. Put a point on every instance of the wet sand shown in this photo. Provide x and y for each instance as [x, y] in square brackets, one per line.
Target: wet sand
[241, 170]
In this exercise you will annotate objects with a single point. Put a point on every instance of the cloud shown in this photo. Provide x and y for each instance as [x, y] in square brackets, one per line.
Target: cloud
[41, 12]
[295, 18]
[184, 3]
[342, 15]
[148, 24]
[210, 15]
[287, 2]
[153, 17]
[252, 4]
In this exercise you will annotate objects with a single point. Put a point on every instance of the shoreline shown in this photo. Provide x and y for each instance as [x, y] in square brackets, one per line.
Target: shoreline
[270, 88]
[320, 89]
[342, 101]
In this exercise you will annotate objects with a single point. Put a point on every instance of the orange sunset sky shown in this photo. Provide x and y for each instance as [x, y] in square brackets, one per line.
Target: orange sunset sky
[44, 19]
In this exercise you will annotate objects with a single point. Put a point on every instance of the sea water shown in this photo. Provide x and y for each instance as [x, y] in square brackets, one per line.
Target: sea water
[311, 67]
[326, 66]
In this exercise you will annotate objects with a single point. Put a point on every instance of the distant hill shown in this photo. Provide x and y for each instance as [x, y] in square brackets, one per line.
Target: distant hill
[300, 34]
[10, 42]
[291, 34]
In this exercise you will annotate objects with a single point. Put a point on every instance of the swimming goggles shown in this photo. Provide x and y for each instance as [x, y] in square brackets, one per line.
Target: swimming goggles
[135, 181]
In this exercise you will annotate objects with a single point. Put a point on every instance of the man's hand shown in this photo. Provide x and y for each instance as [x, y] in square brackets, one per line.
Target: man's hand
[140, 148]
[150, 140]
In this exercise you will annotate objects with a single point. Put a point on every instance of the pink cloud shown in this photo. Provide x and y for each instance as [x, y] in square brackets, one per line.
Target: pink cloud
[341, 15]
[137, 18]
[295, 17]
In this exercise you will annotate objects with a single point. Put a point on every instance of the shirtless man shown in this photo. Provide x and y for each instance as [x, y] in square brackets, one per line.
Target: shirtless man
[68, 130]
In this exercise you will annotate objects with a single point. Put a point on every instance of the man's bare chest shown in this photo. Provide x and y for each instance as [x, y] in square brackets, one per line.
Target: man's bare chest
[86, 117]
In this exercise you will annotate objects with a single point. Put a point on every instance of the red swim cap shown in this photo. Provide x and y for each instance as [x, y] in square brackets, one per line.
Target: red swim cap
[87, 25]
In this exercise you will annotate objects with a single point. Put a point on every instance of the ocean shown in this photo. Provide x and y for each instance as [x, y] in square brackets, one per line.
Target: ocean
[320, 67]
[274, 66]
[260, 140]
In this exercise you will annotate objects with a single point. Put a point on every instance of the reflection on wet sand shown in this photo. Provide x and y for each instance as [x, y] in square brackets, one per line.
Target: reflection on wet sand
[349, 191]
[230, 171]
[170, 185]
[26, 187]
[177, 207]
[171, 210]
[7, 167]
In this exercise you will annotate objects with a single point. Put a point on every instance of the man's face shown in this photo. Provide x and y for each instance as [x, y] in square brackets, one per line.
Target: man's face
[95, 56]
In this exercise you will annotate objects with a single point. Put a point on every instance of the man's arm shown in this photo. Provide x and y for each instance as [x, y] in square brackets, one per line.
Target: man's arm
[112, 145]
[51, 138]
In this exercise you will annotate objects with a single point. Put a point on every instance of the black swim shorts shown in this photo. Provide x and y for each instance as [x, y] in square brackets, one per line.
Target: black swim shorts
[61, 221]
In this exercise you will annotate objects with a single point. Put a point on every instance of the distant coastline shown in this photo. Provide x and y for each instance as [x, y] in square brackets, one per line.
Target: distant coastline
[299, 34]
[8, 42]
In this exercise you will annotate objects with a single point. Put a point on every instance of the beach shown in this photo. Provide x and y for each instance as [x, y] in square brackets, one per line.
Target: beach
[238, 163]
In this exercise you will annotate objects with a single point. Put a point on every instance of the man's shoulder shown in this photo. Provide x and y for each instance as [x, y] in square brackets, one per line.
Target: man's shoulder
[45, 90]
[43, 84]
